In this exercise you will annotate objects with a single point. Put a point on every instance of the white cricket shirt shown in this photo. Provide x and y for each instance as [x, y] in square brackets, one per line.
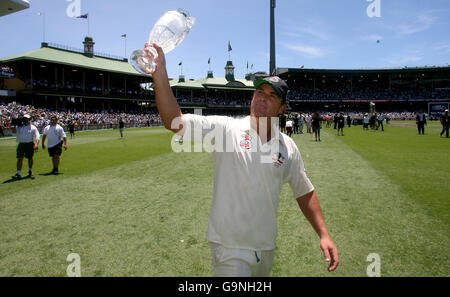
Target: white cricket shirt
[246, 188]
[55, 134]
[26, 134]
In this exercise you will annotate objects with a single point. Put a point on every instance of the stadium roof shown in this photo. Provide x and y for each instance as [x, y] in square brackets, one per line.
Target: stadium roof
[219, 83]
[76, 59]
[190, 84]
[11, 6]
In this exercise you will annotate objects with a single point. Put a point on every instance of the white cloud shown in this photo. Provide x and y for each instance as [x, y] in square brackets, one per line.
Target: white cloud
[309, 28]
[310, 31]
[404, 60]
[422, 23]
[442, 47]
[372, 37]
[307, 50]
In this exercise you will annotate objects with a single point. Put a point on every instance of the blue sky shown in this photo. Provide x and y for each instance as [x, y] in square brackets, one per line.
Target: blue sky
[313, 33]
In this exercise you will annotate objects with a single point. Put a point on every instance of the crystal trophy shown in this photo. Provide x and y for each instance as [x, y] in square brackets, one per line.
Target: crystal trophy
[171, 28]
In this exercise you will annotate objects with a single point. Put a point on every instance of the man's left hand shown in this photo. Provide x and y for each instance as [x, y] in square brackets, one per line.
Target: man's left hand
[330, 253]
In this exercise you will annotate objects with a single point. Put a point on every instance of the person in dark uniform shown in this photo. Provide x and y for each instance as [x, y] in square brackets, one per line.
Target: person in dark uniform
[71, 127]
[349, 121]
[445, 121]
[335, 119]
[373, 119]
[283, 123]
[316, 124]
[1, 130]
[296, 123]
[421, 121]
[341, 124]
[121, 126]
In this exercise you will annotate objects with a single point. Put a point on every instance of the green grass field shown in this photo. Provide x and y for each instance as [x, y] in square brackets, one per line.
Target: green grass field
[132, 207]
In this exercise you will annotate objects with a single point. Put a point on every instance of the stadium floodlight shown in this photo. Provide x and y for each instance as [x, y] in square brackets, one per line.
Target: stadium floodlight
[272, 38]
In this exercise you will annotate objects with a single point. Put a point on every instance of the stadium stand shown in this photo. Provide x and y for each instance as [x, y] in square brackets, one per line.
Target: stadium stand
[82, 120]
[404, 89]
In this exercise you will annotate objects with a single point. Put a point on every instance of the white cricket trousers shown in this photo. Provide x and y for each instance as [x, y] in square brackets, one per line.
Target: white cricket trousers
[229, 262]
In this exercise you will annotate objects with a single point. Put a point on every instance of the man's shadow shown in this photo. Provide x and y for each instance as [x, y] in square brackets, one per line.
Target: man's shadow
[12, 180]
[50, 173]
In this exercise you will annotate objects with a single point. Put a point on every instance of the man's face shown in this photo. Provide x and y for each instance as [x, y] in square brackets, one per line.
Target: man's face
[266, 102]
[53, 121]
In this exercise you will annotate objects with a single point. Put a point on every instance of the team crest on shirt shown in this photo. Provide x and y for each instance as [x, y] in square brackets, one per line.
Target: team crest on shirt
[246, 142]
[278, 159]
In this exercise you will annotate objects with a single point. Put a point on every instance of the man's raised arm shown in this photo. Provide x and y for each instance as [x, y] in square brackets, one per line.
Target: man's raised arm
[165, 100]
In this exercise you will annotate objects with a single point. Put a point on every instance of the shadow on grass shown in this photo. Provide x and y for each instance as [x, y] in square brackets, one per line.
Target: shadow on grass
[50, 173]
[11, 180]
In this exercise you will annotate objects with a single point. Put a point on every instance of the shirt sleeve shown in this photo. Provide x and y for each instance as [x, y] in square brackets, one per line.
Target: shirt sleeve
[63, 134]
[37, 136]
[298, 178]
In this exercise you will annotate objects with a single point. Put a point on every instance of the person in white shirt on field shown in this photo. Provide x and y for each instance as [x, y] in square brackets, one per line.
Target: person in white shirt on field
[366, 121]
[242, 228]
[380, 119]
[56, 141]
[289, 127]
[301, 122]
[308, 123]
[28, 138]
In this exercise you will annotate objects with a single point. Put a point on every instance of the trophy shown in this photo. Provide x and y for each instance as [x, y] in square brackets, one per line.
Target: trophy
[171, 28]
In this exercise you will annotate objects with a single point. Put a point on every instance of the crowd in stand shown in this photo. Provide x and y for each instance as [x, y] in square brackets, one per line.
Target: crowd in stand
[216, 100]
[188, 99]
[401, 93]
[81, 120]
[96, 119]
[93, 88]
[396, 116]
[229, 101]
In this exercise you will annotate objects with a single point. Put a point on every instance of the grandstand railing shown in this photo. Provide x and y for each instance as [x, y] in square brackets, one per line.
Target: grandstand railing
[78, 50]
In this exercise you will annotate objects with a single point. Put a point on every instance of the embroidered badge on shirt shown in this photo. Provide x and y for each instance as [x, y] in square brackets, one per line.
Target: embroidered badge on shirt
[246, 142]
[278, 159]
